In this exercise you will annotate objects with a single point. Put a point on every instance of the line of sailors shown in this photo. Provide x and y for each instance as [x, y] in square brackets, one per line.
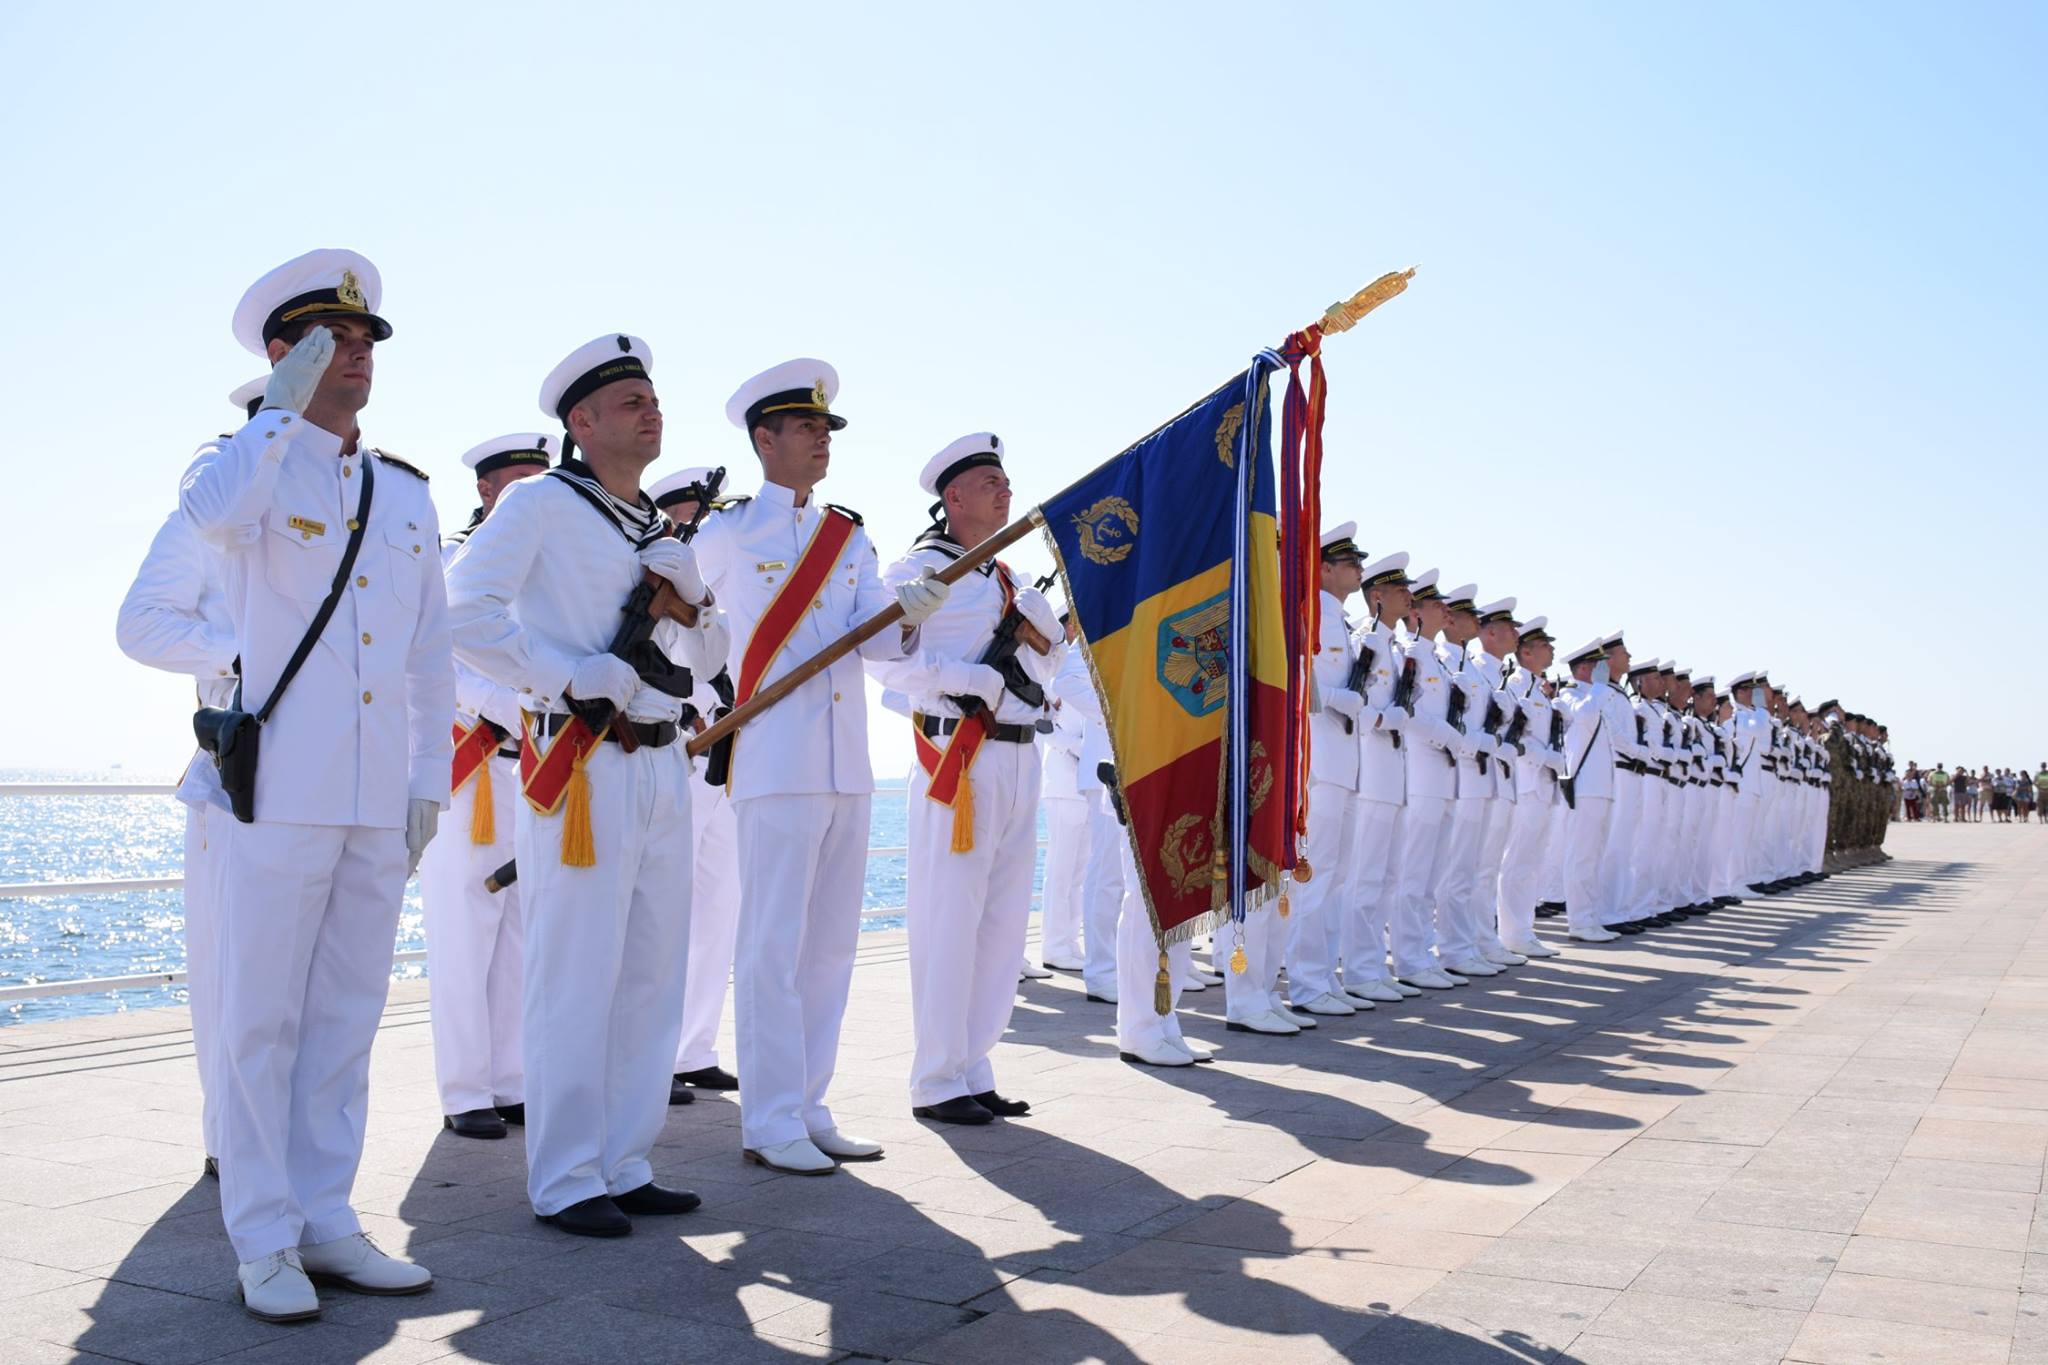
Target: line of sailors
[577, 991]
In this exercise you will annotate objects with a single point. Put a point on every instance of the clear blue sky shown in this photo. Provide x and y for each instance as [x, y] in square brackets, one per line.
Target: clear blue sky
[1729, 328]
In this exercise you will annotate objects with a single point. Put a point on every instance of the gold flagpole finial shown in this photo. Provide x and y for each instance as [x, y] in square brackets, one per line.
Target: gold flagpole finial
[1343, 316]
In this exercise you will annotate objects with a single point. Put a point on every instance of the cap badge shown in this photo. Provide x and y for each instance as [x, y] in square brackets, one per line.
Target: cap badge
[625, 346]
[350, 291]
[818, 393]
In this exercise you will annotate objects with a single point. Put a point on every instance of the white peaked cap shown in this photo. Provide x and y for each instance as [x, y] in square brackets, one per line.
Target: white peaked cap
[792, 386]
[670, 486]
[250, 393]
[329, 282]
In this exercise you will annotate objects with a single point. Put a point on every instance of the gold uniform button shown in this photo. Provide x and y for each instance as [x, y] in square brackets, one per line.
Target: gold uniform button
[270, 436]
[362, 580]
[347, 471]
[305, 535]
[415, 549]
[284, 421]
[366, 637]
[817, 604]
[351, 523]
[835, 696]
[366, 696]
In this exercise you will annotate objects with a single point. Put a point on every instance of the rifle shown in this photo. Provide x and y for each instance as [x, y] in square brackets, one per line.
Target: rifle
[652, 600]
[1454, 716]
[1491, 725]
[1404, 695]
[719, 764]
[1361, 669]
[1516, 728]
[1105, 772]
[503, 877]
[1012, 632]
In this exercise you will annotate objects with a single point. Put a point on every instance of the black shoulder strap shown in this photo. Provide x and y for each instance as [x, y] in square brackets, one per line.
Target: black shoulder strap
[321, 617]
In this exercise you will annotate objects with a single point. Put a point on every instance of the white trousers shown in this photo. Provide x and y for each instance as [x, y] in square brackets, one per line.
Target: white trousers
[967, 914]
[1522, 867]
[1487, 857]
[1648, 852]
[1586, 829]
[207, 829]
[1451, 888]
[1102, 894]
[475, 951]
[1138, 1024]
[307, 919]
[1551, 887]
[1742, 869]
[1249, 993]
[1316, 908]
[714, 923]
[607, 949]
[803, 865]
[1066, 859]
[1369, 891]
[1617, 858]
[1411, 930]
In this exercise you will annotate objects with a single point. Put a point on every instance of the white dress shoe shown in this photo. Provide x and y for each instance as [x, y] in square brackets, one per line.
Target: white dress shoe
[1503, 957]
[842, 1147]
[1403, 987]
[1190, 984]
[1430, 979]
[1201, 1052]
[1381, 989]
[1533, 948]
[1031, 971]
[798, 1156]
[1207, 978]
[1105, 996]
[1300, 1021]
[1332, 1005]
[1263, 1022]
[275, 1288]
[356, 1263]
[1472, 966]
[1594, 936]
[1061, 963]
[1157, 1054]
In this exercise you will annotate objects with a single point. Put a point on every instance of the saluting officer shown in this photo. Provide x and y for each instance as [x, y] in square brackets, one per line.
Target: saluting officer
[476, 940]
[603, 834]
[352, 778]
[974, 790]
[795, 574]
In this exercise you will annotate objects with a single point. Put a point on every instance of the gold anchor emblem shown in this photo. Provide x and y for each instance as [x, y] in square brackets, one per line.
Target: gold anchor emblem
[350, 291]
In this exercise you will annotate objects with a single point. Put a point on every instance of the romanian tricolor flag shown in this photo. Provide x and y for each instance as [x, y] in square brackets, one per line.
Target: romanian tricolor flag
[1171, 559]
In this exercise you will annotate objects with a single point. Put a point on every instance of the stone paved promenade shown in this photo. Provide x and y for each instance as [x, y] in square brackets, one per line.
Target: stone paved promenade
[1810, 1128]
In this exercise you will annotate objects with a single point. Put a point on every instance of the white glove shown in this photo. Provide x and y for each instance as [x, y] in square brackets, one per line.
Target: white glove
[604, 677]
[920, 597]
[1035, 609]
[294, 378]
[422, 818]
[1487, 745]
[676, 562]
[1600, 673]
[1393, 719]
[986, 683]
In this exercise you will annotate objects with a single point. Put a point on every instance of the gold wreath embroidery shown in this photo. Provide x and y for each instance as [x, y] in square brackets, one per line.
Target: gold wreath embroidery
[1186, 861]
[1226, 435]
[1106, 514]
[1261, 776]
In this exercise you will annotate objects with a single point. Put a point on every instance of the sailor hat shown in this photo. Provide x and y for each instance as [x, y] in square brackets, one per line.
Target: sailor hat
[1742, 679]
[1503, 610]
[1424, 585]
[607, 360]
[1381, 572]
[1673, 669]
[969, 452]
[1533, 629]
[324, 283]
[1703, 683]
[249, 397]
[1610, 641]
[1592, 649]
[696, 484]
[1640, 666]
[503, 452]
[1831, 704]
[1461, 597]
[1338, 544]
[792, 386]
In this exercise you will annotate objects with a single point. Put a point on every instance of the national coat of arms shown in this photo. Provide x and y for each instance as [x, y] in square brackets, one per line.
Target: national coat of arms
[1194, 658]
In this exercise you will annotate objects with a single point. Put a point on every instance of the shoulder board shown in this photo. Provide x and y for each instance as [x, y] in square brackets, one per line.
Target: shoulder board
[846, 512]
[727, 504]
[388, 458]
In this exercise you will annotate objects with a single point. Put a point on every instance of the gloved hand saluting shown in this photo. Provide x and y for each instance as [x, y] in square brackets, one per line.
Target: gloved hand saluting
[604, 677]
[920, 597]
[422, 818]
[297, 374]
[674, 561]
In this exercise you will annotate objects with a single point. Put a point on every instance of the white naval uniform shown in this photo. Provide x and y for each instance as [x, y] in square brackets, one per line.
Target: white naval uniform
[1595, 711]
[801, 789]
[1651, 858]
[1457, 932]
[1066, 817]
[1315, 922]
[1617, 862]
[1102, 877]
[1428, 745]
[1368, 890]
[1140, 1027]
[1483, 912]
[1752, 744]
[476, 940]
[714, 907]
[1522, 864]
[534, 591]
[175, 617]
[311, 891]
[967, 913]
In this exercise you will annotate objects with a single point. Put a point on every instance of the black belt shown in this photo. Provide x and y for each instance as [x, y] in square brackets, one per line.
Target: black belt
[652, 734]
[508, 750]
[935, 726]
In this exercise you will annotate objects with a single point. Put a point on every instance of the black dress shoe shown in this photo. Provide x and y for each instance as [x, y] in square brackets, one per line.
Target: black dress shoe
[475, 1123]
[596, 1216]
[656, 1199]
[514, 1114]
[1725, 901]
[709, 1078]
[959, 1109]
[1099, 999]
[678, 1093]
[212, 1168]
[1000, 1107]
[1761, 888]
[1630, 928]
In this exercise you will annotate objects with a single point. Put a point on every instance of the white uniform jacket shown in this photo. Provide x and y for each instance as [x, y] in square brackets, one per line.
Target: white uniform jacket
[1333, 750]
[1537, 767]
[1597, 712]
[952, 641]
[1382, 764]
[1430, 743]
[364, 725]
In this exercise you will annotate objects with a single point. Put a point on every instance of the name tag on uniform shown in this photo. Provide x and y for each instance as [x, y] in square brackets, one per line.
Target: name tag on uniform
[308, 527]
[765, 565]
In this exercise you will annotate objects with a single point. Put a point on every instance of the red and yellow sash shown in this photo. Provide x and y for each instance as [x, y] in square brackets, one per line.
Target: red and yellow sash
[786, 609]
[946, 770]
[549, 776]
[473, 749]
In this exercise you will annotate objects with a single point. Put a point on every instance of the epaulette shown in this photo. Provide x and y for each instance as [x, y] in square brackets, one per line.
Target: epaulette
[388, 458]
[846, 512]
[727, 504]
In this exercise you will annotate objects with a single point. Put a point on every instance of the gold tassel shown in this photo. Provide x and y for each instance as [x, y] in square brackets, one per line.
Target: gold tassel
[578, 848]
[963, 816]
[1162, 989]
[483, 822]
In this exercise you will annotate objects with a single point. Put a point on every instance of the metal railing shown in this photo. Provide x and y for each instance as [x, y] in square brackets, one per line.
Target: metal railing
[114, 886]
